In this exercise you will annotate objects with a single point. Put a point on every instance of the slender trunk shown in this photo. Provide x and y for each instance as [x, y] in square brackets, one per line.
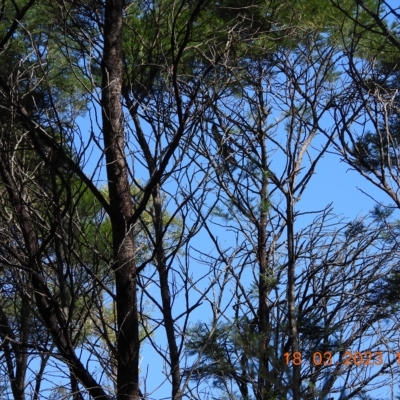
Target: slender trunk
[120, 205]
[166, 297]
[39, 375]
[76, 394]
[21, 352]
[263, 318]
[262, 308]
[293, 335]
[8, 349]
[49, 310]
[17, 379]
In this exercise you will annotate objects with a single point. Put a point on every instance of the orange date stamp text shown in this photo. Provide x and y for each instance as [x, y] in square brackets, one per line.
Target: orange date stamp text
[324, 358]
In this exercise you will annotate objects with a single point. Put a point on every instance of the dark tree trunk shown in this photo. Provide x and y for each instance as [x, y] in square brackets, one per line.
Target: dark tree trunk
[293, 334]
[47, 307]
[17, 379]
[166, 297]
[263, 383]
[120, 205]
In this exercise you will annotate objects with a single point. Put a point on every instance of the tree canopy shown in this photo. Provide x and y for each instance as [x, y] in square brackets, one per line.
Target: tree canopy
[154, 237]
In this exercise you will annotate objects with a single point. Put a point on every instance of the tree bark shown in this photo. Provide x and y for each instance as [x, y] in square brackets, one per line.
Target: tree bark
[263, 384]
[166, 296]
[120, 204]
[47, 307]
[291, 299]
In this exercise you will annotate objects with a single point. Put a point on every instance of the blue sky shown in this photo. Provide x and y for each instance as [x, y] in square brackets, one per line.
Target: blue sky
[334, 182]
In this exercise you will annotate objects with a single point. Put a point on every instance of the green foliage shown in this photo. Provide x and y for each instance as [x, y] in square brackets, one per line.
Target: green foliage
[387, 293]
[39, 47]
[220, 351]
[381, 213]
[379, 147]
[77, 261]
[373, 150]
[219, 212]
[219, 35]
[230, 353]
[265, 205]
